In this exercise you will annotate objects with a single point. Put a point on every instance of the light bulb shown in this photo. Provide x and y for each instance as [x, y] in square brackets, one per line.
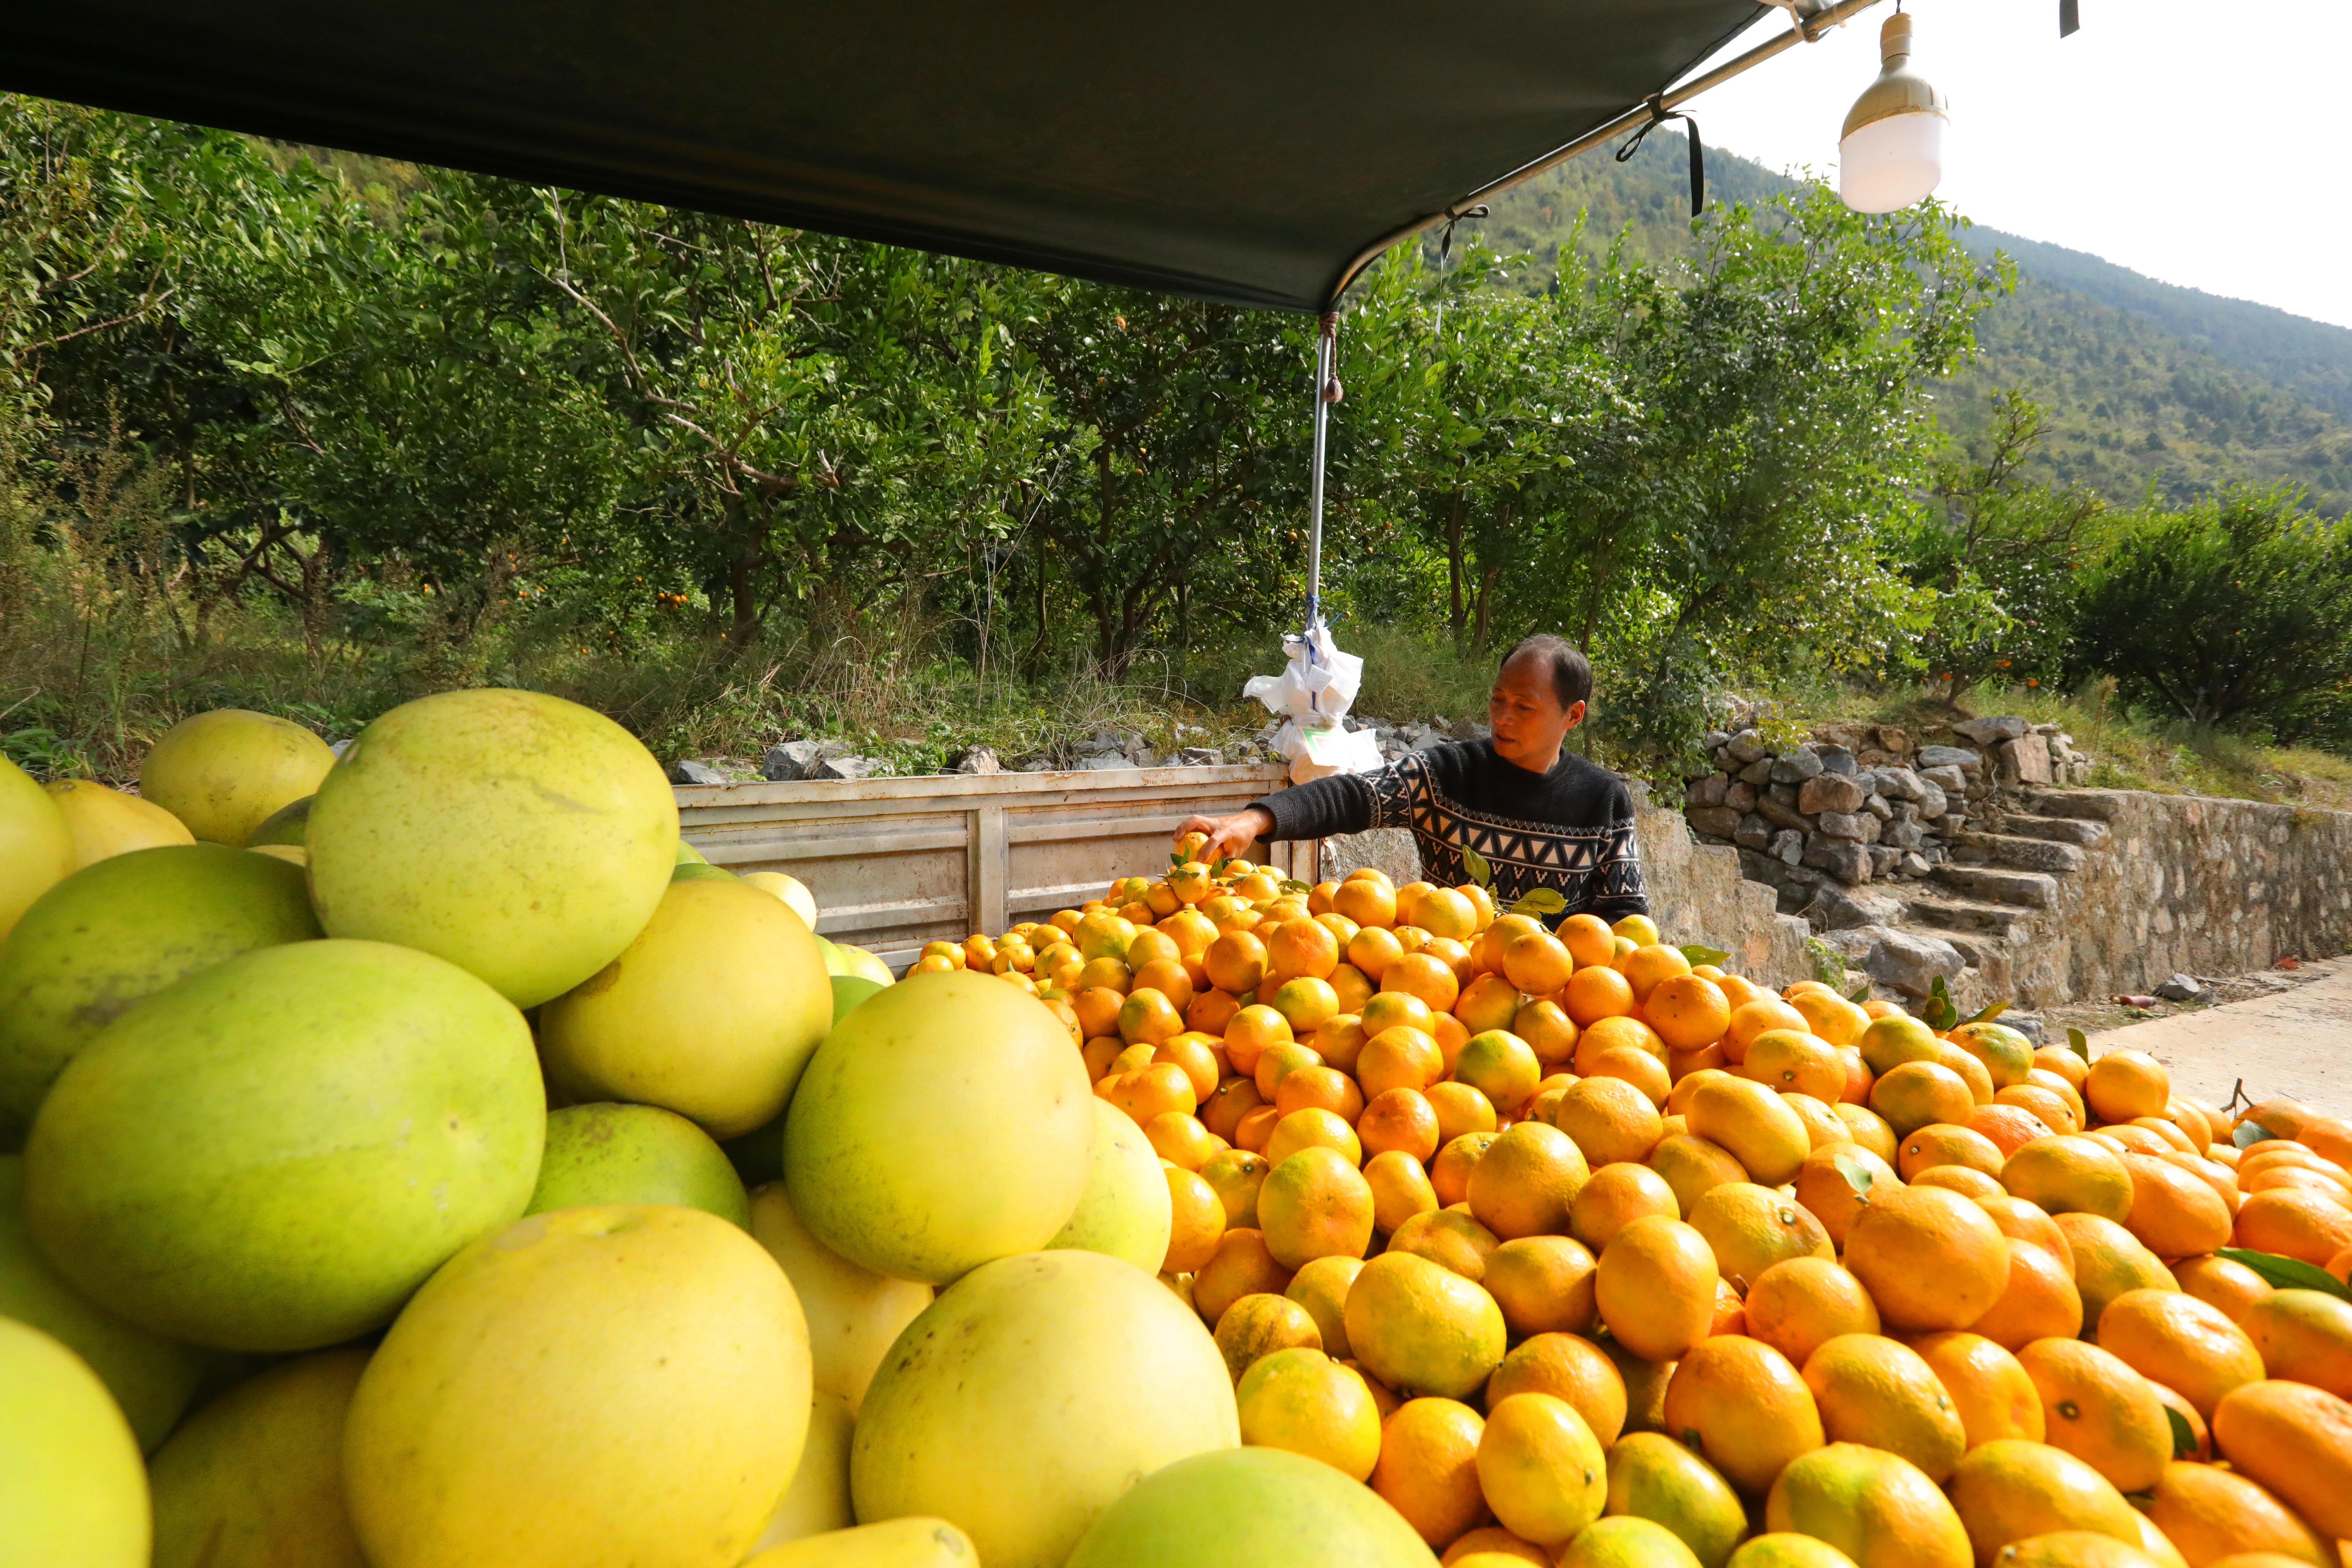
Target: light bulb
[1891, 152]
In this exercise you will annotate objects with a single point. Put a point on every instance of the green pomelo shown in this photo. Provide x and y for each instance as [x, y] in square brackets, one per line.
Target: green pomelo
[946, 1121]
[1125, 1211]
[273, 1153]
[118, 932]
[152, 1379]
[1066, 1364]
[227, 771]
[859, 963]
[849, 990]
[607, 1154]
[254, 1479]
[853, 1315]
[712, 1012]
[518, 835]
[624, 1384]
[289, 826]
[688, 855]
[106, 822]
[36, 848]
[1250, 1508]
[697, 871]
[72, 1492]
[819, 1498]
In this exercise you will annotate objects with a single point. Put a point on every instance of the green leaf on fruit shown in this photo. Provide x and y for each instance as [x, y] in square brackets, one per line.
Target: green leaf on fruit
[2184, 1435]
[1293, 885]
[1939, 1013]
[2246, 1134]
[2078, 1044]
[1699, 952]
[1542, 901]
[1475, 864]
[1989, 1013]
[1860, 993]
[2287, 1273]
[1857, 1174]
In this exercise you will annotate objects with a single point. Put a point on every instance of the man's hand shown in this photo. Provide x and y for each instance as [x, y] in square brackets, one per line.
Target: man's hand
[1229, 835]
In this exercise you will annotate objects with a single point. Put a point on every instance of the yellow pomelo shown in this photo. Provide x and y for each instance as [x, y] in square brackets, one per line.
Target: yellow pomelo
[607, 1154]
[228, 772]
[847, 961]
[115, 933]
[273, 1153]
[818, 1501]
[254, 1479]
[150, 1377]
[895, 1544]
[853, 1314]
[618, 1384]
[516, 834]
[1125, 1211]
[712, 1011]
[1033, 1392]
[288, 827]
[1249, 1508]
[945, 1122]
[36, 848]
[106, 822]
[72, 1493]
[792, 889]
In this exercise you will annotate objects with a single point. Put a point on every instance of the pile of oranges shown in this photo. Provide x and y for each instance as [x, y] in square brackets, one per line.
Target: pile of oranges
[1577, 1252]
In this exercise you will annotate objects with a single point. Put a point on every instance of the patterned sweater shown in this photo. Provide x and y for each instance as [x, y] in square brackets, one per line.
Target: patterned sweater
[1571, 829]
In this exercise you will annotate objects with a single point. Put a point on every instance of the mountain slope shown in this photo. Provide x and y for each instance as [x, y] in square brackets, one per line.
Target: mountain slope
[2147, 383]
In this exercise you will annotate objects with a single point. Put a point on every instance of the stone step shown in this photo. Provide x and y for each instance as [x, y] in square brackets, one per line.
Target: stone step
[2081, 830]
[2027, 890]
[1988, 956]
[2089, 805]
[1948, 914]
[2018, 854]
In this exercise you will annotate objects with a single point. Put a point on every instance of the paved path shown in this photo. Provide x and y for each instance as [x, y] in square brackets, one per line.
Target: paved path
[2297, 1044]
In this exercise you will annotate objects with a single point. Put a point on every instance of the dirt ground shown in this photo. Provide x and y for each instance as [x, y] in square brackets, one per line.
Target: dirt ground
[2278, 1032]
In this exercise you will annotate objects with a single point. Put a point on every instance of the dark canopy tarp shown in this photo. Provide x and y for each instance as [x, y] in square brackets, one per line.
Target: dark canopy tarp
[1251, 152]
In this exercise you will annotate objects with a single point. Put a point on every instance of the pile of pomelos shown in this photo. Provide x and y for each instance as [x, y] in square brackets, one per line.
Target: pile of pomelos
[1577, 1251]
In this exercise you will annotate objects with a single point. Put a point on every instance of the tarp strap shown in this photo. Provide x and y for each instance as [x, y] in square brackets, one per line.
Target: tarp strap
[1659, 115]
[1327, 393]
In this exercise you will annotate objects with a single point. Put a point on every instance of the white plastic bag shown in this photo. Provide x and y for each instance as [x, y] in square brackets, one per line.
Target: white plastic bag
[1313, 693]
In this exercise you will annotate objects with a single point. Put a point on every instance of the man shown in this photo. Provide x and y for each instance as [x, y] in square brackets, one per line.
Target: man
[1539, 816]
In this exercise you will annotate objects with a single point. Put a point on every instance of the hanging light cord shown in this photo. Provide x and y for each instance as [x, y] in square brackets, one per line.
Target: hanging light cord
[1659, 115]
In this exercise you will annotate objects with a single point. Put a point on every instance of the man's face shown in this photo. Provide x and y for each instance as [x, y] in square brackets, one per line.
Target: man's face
[1525, 714]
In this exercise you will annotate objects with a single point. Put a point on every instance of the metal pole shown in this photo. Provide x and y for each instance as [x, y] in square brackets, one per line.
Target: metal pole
[1327, 344]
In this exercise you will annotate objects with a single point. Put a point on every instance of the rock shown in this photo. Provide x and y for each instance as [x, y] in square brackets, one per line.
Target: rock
[1754, 833]
[1902, 835]
[2025, 760]
[1872, 827]
[1845, 825]
[1946, 780]
[1912, 864]
[1715, 821]
[689, 772]
[1144, 757]
[1200, 757]
[1740, 795]
[1831, 792]
[1910, 963]
[1949, 757]
[1710, 790]
[978, 761]
[2181, 988]
[1895, 742]
[1103, 763]
[1788, 846]
[1834, 759]
[1900, 783]
[1714, 739]
[1430, 743]
[1465, 730]
[1747, 747]
[1759, 772]
[1391, 851]
[1883, 858]
[2046, 729]
[1779, 814]
[850, 768]
[1847, 862]
[1878, 806]
[338, 747]
[1843, 737]
[1797, 766]
[1835, 908]
[2029, 1025]
[793, 759]
[1985, 732]
[1785, 794]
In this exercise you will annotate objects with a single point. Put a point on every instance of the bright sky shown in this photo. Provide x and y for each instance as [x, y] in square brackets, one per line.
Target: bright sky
[2209, 145]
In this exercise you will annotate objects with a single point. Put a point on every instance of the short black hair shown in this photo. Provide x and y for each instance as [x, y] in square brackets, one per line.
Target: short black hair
[1571, 673]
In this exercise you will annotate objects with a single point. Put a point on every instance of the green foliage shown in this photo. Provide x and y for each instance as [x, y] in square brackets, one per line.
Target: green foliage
[2231, 611]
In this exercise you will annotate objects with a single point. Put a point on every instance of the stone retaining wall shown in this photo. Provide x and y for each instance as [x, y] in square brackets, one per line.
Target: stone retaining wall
[2198, 886]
